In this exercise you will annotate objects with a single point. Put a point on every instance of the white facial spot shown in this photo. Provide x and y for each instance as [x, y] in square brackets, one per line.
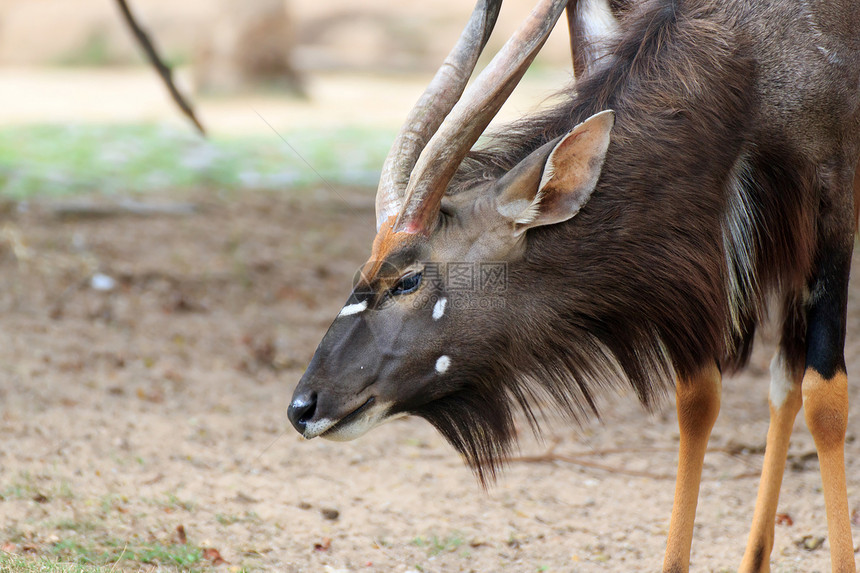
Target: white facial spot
[439, 308]
[351, 309]
[442, 364]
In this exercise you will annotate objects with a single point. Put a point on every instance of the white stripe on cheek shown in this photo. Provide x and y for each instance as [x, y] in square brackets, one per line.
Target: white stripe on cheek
[439, 308]
[442, 364]
[351, 309]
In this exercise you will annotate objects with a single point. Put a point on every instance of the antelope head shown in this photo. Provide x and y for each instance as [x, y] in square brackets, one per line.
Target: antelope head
[430, 327]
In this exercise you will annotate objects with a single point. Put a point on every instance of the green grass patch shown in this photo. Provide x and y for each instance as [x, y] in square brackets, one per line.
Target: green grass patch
[436, 545]
[61, 160]
[21, 487]
[114, 551]
[170, 502]
[230, 519]
[81, 526]
[15, 564]
[25, 486]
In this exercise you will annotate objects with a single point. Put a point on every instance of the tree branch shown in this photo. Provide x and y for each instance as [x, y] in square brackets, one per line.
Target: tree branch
[163, 70]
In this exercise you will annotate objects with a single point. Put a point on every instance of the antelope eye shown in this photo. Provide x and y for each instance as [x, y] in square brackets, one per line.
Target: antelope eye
[407, 284]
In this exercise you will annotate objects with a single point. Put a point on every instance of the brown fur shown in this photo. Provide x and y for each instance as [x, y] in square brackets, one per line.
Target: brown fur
[727, 183]
[698, 405]
[825, 405]
[761, 535]
[641, 268]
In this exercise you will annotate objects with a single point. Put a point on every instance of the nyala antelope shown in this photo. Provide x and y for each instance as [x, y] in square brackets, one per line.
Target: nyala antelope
[702, 169]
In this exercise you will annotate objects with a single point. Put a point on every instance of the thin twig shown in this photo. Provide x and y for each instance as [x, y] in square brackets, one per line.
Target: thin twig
[272, 443]
[118, 559]
[300, 156]
[577, 459]
[163, 70]
[729, 450]
[544, 458]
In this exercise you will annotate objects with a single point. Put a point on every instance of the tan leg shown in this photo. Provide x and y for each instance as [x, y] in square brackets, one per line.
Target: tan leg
[698, 403]
[825, 404]
[785, 401]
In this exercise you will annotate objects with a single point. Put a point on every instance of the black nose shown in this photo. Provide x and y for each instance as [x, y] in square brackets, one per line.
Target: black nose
[301, 410]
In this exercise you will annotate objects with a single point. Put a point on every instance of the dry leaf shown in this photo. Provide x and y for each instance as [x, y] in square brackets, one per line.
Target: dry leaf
[214, 556]
[784, 519]
[155, 396]
[324, 545]
[180, 532]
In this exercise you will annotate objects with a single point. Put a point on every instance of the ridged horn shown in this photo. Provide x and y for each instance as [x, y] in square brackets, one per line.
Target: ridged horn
[442, 156]
[431, 108]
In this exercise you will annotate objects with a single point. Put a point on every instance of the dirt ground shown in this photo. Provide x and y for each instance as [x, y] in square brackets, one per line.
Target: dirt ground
[125, 413]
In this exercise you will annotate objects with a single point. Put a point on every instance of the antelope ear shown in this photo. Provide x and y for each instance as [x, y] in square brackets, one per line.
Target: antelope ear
[553, 183]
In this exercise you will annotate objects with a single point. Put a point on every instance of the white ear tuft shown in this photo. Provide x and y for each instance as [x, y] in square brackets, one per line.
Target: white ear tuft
[548, 172]
[530, 214]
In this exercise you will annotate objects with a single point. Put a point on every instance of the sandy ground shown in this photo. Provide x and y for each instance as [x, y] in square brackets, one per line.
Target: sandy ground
[127, 413]
[135, 95]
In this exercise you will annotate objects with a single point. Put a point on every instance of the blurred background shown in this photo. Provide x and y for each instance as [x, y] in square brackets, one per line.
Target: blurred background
[334, 78]
[161, 294]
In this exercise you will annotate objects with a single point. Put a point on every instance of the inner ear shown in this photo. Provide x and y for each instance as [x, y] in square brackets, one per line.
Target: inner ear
[553, 183]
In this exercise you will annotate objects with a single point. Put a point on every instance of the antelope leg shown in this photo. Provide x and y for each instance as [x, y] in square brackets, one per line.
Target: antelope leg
[698, 404]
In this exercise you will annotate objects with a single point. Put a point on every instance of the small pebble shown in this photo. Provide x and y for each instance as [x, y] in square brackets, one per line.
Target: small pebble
[102, 282]
[809, 542]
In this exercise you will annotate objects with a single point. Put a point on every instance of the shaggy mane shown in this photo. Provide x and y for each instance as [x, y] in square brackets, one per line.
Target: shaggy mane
[642, 266]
